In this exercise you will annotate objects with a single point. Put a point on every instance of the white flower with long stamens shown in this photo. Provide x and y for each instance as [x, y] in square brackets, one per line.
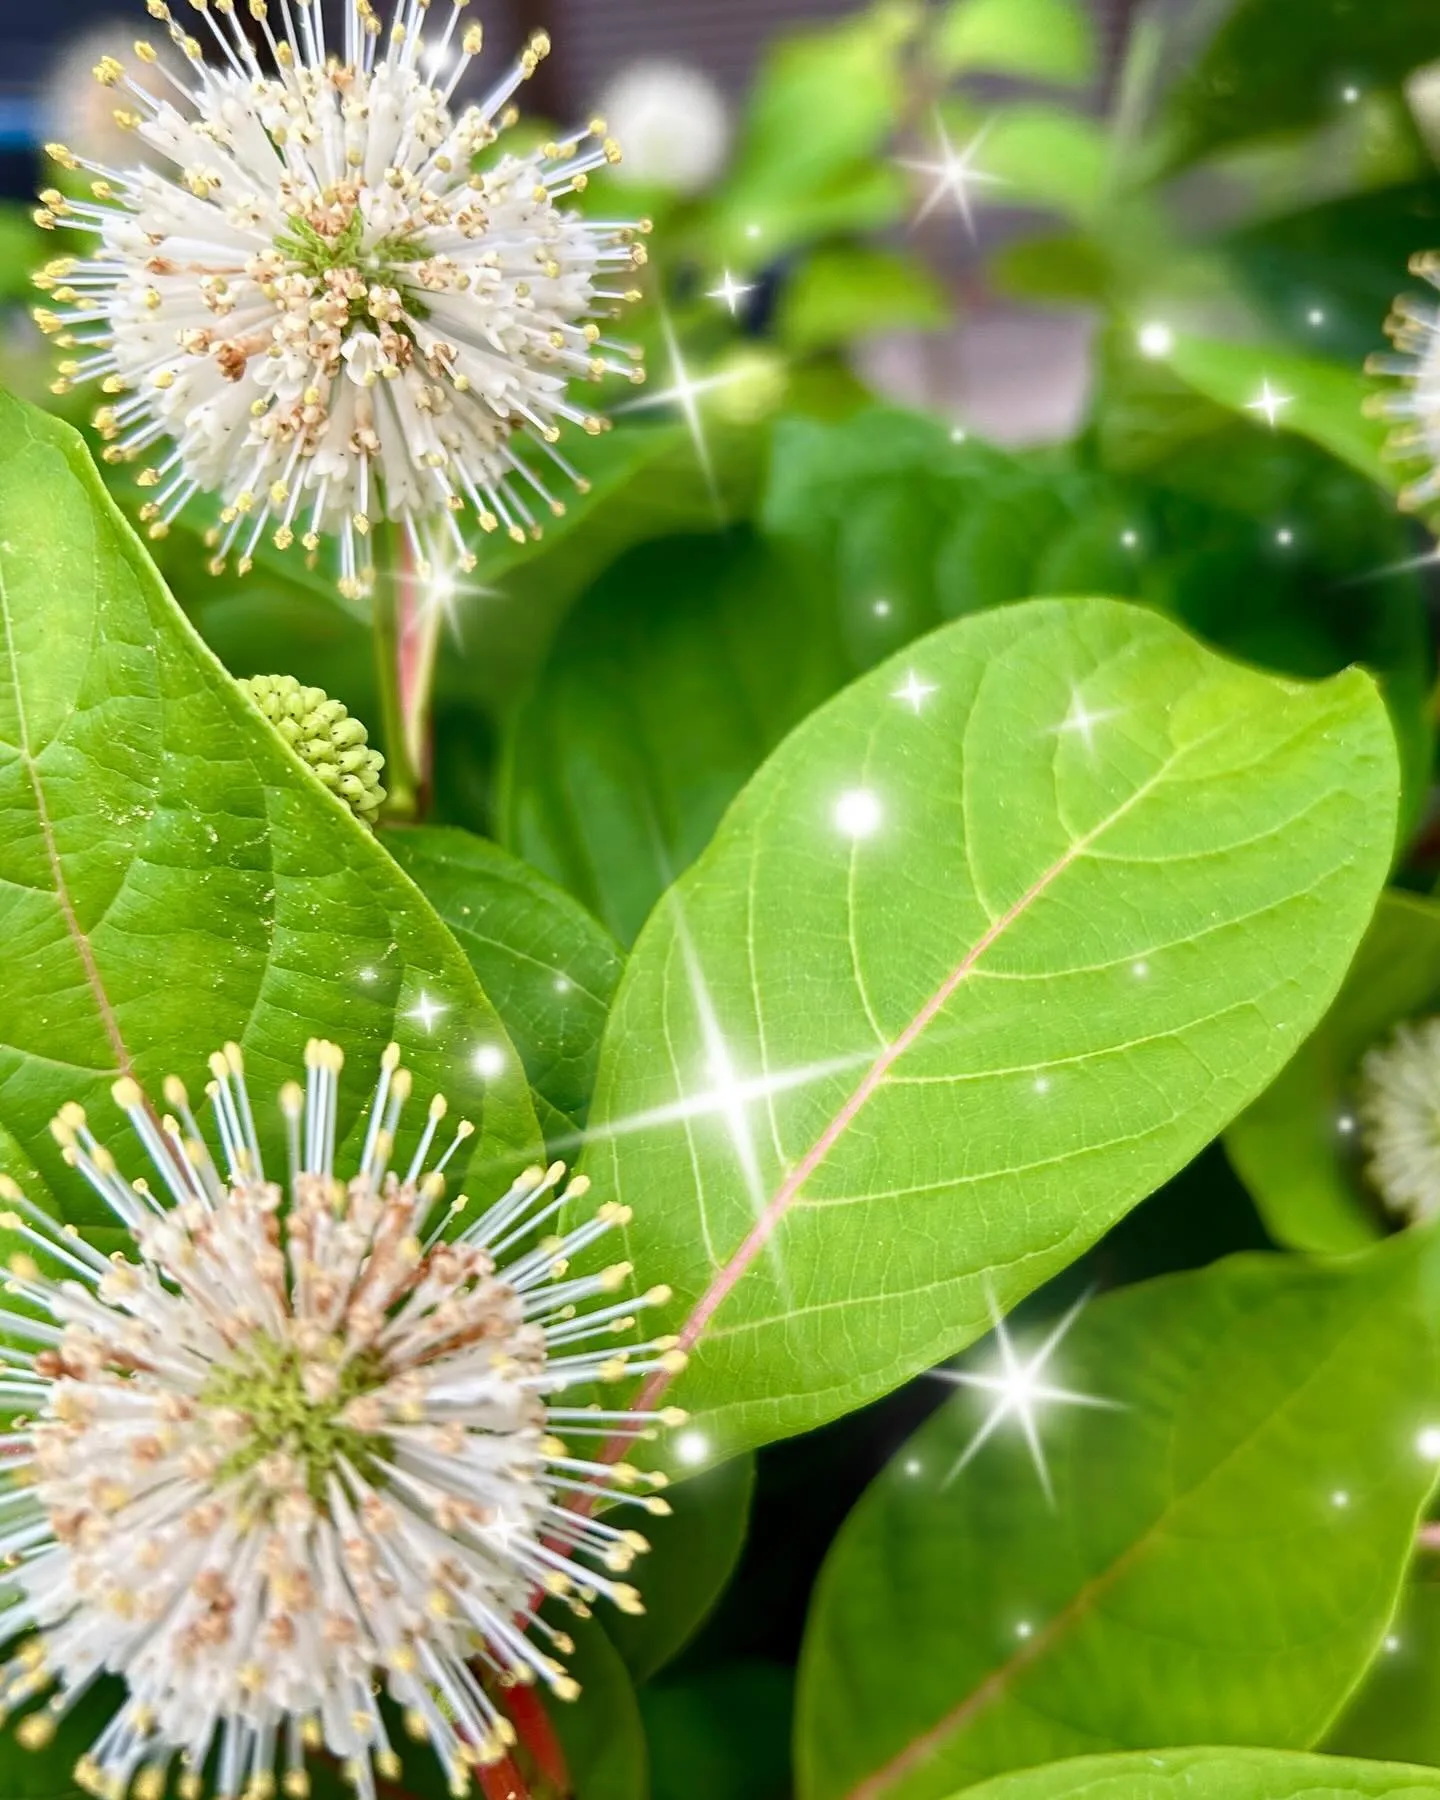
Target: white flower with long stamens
[303, 1447]
[1414, 330]
[330, 315]
[1399, 1108]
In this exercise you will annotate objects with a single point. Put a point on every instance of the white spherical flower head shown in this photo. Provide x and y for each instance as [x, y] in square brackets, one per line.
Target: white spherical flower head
[1399, 1110]
[340, 305]
[1413, 328]
[674, 124]
[298, 1448]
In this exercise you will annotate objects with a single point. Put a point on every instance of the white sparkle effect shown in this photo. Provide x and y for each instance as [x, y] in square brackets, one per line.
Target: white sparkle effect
[881, 609]
[563, 984]
[1428, 1443]
[913, 1465]
[1340, 1499]
[858, 813]
[1269, 402]
[731, 292]
[1129, 539]
[1140, 970]
[1392, 1644]
[685, 393]
[1350, 95]
[426, 1011]
[1024, 1629]
[1081, 721]
[1020, 1390]
[488, 1061]
[692, 1448]
[1315, 316]
[1285, 537]
[914, 691]
[953, 176]
[1155, 340]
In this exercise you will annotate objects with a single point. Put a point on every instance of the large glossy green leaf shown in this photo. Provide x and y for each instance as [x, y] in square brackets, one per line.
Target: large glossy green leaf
[1213, 1775]
[977, 960]
[692, 1556]
[1220, 1560]
[1297, 1148]
[1396, 1713]
[170, 877]
[600, 1734]
[549, 969]
[685, 664]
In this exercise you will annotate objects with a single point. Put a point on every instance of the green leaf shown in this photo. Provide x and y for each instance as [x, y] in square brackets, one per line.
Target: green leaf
[692, 1556]
[172, 877]
[961, 978]
[601, 1733]
[824, 105]
[849, 291]
[1322, 401]
[549, 968]
[1396, 1713]
[1220, 1560]
[683, 666]
[1212, 1775]
[1045, 155]
[1292, 1148]
[723, 1734]
[1038, 40]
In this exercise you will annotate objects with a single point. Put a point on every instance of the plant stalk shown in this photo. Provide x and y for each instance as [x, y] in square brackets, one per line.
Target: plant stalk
[403, 780]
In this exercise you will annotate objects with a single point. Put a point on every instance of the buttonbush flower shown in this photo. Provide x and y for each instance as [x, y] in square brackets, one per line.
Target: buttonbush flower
[296, 1449]
[1414, 330]
[1400, 1118]
[330, 313]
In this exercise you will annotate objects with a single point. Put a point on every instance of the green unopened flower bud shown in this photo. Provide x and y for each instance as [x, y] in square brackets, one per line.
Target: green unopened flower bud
[323, 735]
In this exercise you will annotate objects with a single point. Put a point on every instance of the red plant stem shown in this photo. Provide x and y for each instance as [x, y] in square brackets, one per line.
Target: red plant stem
[537, 1734]
[501, 1781]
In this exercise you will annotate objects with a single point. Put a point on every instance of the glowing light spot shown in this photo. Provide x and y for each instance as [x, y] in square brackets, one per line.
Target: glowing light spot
[913, 1465]
[488, 1061]
[368, 975]
[914, 692]
[731, 292]
[1129, 539]
[858, 813]
[957, 434]
[1024, 1629]
[881, 609]
[1042, 1084]
[1140, 970]
[1345, 1124]
[1315, 316]
[1340, 1499]
[1350, 95]
[1392, 1644]
[1082, 721]
[1269, 402]
[1428, 1443]
[1285, 536]
[563, 984]
[692, 1448]
[426, 1011]
[1155, 339]
[752, 232]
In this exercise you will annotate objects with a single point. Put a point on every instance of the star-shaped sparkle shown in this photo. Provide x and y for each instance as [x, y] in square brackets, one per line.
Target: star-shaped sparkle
[732, 292]
[1020, 1390]
[426, 1011]
[952, 176]
[1270, 402]
[915, 691]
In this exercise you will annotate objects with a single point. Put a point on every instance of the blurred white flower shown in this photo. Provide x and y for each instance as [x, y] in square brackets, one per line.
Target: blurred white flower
[329, 314]
[1400, 1118]
[1414, 329]
[79, 112]
[673, 122]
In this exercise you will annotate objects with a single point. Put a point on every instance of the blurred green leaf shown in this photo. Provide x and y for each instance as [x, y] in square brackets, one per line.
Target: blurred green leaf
[1322, 401]
[1289, 1148]
[1220, 1560]
[549, 969]
[1044, 154]
[849, 291]
[822, 111]
[692, 1556]
[1037, 40]
[154, 825]
[1212, 1775]
[1263, 72]
[684, 665]
[1142, 918]
[1396, 1714]
[722, 1734]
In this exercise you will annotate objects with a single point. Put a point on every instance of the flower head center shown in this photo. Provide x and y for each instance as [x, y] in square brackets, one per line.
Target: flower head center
[287, 1408]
